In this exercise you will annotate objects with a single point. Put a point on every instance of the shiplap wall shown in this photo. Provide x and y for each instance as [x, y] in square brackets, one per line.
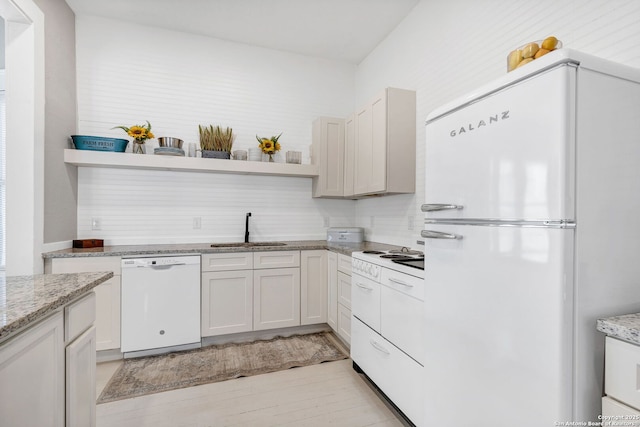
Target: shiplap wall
[445, 49]
[128, 74]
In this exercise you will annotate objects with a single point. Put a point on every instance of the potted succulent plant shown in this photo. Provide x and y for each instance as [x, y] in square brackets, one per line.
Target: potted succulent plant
[215, 142]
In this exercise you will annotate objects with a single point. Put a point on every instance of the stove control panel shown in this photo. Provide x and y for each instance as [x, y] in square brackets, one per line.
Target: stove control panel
[366, 269]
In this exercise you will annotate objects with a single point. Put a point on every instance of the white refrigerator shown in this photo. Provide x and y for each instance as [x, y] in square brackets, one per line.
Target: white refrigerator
[532, 232]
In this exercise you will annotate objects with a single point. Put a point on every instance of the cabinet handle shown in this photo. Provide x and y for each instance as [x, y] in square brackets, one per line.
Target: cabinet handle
[366, 288]
[400, 282]
[378, 347]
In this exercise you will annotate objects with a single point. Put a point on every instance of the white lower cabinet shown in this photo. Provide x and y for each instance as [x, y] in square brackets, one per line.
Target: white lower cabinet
[250, 291]
[313, 287]
[107, 321]
[613, 410]
[81, 380]
[621, 403]
[339, 295]
[395, 373]
[332, 290]
[344, 323]
[47, 372]
[276, 298]
[227, 302]
[344, 306]
[32, 380]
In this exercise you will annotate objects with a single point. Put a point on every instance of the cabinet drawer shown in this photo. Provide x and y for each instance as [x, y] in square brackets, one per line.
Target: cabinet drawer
[86, 264]
[79, 316]
[622, 365]
[404, 283]
[396, 374]
[612, 410]
[227, 261]
[278, 259]
[344, 290]
[344, 264]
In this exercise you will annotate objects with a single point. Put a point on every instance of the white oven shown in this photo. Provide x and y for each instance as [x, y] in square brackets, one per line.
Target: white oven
[386, 334]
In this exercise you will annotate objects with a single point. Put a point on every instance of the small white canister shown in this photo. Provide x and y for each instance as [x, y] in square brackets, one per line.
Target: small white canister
[345, 235]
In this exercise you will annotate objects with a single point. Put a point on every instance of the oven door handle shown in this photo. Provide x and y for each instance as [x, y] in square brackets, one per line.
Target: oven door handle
[400, 282]
[365, 287]
[379, 347]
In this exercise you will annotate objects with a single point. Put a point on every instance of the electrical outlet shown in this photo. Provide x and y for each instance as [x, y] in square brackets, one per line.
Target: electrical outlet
[410, 223]
[326, 221]
[197, 223]
[96, 224]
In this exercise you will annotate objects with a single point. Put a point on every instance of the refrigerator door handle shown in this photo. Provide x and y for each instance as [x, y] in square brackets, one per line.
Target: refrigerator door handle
[432, 207]
[430, 234]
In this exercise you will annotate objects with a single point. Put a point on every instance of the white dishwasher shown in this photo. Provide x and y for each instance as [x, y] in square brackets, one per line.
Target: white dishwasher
[160, 304]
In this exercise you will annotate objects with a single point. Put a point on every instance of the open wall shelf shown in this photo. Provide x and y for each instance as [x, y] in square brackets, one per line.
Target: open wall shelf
[104, 159]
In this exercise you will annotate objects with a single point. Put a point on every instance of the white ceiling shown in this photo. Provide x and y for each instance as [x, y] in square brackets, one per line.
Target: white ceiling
[345, 30]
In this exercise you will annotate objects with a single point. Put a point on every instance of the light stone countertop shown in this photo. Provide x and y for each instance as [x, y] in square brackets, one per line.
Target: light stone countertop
[27, 299]
[626, 327]
[205, 248]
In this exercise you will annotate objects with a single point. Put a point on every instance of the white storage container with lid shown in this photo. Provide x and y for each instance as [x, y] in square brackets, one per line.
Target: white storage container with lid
[345, 235]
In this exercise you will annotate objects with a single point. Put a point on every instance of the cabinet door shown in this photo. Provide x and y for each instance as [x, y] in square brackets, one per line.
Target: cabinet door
[363, 147]
[313, 287]
[227, 302]
[81, 380]
[328, 143]
[32, 376]
[107, 295]
[349, 154]
[344, 290]
[378, 181]
[276, 298]
[332, 283]
[344, 323]
[108, 314]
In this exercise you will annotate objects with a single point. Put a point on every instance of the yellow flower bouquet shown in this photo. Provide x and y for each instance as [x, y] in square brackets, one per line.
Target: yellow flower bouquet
[139, 133]
[269, 145]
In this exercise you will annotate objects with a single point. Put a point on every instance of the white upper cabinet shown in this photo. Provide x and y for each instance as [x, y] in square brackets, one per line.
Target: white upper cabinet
[372, 152]
[385, 144]
[328, 154]
[349, 154]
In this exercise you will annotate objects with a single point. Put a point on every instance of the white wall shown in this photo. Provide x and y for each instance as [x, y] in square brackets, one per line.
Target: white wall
[128, 74]
[444, 49]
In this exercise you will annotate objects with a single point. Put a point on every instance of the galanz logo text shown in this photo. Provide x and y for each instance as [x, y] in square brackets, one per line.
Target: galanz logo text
[477, 125]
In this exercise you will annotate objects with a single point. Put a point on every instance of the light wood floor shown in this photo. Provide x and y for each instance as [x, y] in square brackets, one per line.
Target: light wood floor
[319, 395]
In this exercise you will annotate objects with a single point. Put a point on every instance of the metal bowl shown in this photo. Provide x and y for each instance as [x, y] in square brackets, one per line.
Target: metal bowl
[167, 141]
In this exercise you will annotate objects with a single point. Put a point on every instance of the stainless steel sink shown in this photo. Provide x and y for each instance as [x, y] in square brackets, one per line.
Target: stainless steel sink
[246, 245]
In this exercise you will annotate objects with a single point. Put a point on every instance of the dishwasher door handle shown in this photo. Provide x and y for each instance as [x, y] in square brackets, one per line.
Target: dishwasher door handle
[162, 266]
